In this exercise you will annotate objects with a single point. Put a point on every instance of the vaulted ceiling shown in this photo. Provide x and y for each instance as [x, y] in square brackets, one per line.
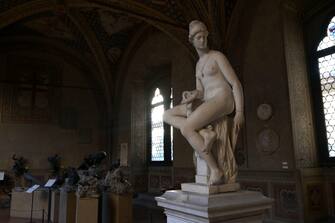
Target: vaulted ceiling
[104, 31]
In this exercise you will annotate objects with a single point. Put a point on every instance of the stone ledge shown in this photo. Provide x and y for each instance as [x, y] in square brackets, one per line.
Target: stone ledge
[241, 206]
[209, 189]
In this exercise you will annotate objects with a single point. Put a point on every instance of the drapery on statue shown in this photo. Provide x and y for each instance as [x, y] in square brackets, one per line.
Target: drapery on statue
[208, 127]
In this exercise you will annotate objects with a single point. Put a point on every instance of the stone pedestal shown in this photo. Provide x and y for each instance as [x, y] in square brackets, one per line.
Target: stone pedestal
[21, 204]
[209, 189]
[233, 207]
[117, 208]
[67, 207]
[54, 215]
[202, 170]
[87, 210]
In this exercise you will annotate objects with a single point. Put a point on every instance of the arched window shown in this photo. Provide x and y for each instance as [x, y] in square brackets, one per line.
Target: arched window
[324, 61]
[161, 135]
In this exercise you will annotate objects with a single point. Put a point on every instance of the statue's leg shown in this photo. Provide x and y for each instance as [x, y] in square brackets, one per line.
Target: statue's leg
[176, 116]
[205, 114]
[209, 136]
[198, 143]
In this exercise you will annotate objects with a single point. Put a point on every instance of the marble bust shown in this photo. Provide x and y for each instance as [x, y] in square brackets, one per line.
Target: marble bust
[211, 116]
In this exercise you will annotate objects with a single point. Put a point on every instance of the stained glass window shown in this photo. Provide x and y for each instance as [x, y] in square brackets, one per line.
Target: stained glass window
[326, 67]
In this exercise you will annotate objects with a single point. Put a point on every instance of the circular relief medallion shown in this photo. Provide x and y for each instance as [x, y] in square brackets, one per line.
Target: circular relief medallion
[268, 141]
[264, 112]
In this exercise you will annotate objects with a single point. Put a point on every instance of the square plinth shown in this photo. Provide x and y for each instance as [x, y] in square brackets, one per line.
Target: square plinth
[87, 210]
[209, 189]
[233, 207]
[67, 207]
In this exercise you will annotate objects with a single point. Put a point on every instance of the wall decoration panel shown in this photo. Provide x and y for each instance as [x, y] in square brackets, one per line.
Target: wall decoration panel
[286, 201]
[255, 186]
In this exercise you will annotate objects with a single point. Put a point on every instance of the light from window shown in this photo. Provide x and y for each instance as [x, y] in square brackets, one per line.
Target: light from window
[329, 40]
[157, 127]
[327, 78]
[171, 128]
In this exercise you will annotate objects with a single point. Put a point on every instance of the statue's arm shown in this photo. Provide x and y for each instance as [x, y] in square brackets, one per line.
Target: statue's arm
[198, 93]
[199, 89]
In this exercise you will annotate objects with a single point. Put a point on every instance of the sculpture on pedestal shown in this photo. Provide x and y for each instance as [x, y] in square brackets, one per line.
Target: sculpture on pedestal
[19, 168]
[20, 165]
[55, 164]
[88, 183]
[70, 179]
[204, 116]
[116, 183]
[94, 159]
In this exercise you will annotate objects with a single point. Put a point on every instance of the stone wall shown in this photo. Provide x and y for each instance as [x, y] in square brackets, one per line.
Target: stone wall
[48, 106]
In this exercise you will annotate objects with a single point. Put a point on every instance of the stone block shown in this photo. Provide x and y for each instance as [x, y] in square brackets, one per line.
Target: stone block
[21, 204]
[234, 207]
[87, 210]
[67, 207]
[209, 189]
[117, 208]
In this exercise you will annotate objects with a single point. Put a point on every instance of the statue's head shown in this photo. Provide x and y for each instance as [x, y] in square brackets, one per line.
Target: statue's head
[198, 34]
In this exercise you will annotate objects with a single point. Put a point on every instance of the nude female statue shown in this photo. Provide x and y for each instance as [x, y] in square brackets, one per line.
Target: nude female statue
[221, 93]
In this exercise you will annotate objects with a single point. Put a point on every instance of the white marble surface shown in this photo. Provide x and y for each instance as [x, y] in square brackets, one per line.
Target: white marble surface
[202, 170]
[208, 128]
[209, 189]
[187, 207]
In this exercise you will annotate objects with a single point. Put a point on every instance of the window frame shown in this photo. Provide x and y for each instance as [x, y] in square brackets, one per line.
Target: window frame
[313, 40]
[163, 83]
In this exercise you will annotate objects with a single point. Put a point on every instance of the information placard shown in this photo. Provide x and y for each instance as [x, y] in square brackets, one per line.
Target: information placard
[50, 183]
[33, 188]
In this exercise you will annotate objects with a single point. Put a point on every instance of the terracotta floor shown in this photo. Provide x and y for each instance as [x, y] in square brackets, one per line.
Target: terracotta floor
[4, 218]
[144, 211]
[141, 215]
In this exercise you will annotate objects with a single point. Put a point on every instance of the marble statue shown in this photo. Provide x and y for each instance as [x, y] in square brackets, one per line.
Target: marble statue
[211, 116]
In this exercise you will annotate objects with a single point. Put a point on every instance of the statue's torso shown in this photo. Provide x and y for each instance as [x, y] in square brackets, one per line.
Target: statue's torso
[212, 78]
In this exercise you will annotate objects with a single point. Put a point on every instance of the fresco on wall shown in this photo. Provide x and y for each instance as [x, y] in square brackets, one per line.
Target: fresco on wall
[113, 30]
[114, 54]
[170, 8]
[51, 26]
[28, 95]
[114, 23]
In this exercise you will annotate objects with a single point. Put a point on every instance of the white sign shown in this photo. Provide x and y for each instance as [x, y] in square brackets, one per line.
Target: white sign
[2, 176]
[50, 183]
[33, 188]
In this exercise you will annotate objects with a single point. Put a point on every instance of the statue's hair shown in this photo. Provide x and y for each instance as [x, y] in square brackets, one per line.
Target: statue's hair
[195, 27]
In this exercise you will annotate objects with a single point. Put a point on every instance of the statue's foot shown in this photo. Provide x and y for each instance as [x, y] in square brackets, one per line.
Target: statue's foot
[209, 137]
[216, 177]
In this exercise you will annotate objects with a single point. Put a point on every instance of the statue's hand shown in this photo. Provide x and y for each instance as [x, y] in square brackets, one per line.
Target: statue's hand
[189, 96]
[238, 121]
